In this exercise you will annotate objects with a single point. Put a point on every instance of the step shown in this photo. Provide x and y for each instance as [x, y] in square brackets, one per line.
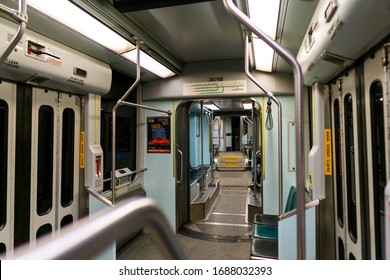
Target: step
[231, 159]
[232, 166]
[201, 206]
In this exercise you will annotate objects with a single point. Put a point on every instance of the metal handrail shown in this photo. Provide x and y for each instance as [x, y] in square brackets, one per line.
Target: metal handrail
[21, 16]
[298, 84]
[99, 197]
[293, 212]
[88, 237]
[136, 82]
[248, 121]
[129, 104]
[122, 101]
[132, 173]
[276, 100]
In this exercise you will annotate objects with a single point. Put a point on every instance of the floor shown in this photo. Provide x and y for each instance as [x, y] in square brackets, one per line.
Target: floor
[223, 235]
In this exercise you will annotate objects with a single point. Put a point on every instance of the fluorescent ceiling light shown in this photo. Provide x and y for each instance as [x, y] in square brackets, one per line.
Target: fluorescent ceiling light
[149, 64]
[264, 15]
[264, 55]
[67, 13]
[211, 106]
[247, 105]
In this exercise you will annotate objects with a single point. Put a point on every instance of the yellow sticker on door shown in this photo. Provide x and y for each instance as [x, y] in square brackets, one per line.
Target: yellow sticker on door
[328, 151]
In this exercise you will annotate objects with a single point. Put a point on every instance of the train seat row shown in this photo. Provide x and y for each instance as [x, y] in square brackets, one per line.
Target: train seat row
[265, 231]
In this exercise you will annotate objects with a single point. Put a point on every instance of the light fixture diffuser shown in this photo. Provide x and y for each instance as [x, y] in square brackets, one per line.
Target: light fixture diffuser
[264, 55]
[75, 18]
[211, 106]
[247, 105]
[149, 64]
[264, 15]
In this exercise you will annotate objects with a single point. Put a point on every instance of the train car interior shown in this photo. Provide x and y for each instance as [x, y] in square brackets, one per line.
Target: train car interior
[194, 129]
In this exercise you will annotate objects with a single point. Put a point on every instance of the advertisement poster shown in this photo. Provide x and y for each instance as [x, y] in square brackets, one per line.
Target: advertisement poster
[159, 135]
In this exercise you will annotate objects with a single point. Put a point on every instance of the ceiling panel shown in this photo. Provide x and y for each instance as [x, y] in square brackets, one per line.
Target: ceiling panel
[194, 32]
[189, 33]
[292, 29]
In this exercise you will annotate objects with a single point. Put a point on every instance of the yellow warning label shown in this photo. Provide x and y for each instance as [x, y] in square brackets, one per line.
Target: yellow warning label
[310, 179]
[82, 150]
[328, 151]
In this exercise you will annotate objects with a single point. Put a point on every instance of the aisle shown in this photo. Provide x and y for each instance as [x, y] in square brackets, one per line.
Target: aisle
[223, 235]
[227, 216]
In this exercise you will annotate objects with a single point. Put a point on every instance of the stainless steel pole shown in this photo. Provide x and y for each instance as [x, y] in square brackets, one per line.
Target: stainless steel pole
[299, 145]
[21, 17]
[136, 82]
[272, 96]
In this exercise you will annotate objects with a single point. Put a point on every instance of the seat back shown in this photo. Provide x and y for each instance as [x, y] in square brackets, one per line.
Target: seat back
[291, 199]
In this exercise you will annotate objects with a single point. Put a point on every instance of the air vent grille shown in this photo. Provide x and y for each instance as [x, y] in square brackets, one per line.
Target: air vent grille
[38, 79]
[335, 59]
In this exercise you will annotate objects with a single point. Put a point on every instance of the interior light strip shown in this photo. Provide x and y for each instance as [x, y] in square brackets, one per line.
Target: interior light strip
[264, 15]
[149, 64]
[75, 18]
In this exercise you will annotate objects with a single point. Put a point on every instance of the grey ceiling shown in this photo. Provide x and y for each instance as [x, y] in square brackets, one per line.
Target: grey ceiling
[206, 32]
[194, 32]
[187, 33]
[179, 34]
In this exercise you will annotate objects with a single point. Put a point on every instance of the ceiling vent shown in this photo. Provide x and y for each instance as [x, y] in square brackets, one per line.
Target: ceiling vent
[335, 59]
[38, 79]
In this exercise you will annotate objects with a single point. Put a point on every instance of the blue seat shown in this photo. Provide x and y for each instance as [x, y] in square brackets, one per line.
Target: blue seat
[265, 225]
[265, 231]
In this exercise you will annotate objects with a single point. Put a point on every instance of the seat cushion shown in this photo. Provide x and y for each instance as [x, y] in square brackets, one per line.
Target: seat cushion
[266, 219]
[265, 231]
[264, 248]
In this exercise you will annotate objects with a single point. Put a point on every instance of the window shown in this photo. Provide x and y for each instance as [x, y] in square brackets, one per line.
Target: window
[43, 230]
[45, 160]
[3, 248]
[67, 220]
[341, 249]
[67, 169]
[338, 164]
[350, 166]
[3, 162]
[378, 162]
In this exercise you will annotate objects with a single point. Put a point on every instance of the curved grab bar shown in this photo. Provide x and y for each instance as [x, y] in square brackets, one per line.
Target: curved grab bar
[298, 84]
[276, 100]
[293, 212]
[181, 167]
[248, 121]
[122, 101]
[21, 17]
[88, 237]
[136, 82]
[100, 197]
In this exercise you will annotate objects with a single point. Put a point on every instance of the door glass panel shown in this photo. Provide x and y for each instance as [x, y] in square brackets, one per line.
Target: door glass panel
[339, 189]
[378, 161]
[67, 220]
[350, 166]
[45, 160]
[67, 169]
[43, 230]
[3, 162]
[3, 248]
[341, 249]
